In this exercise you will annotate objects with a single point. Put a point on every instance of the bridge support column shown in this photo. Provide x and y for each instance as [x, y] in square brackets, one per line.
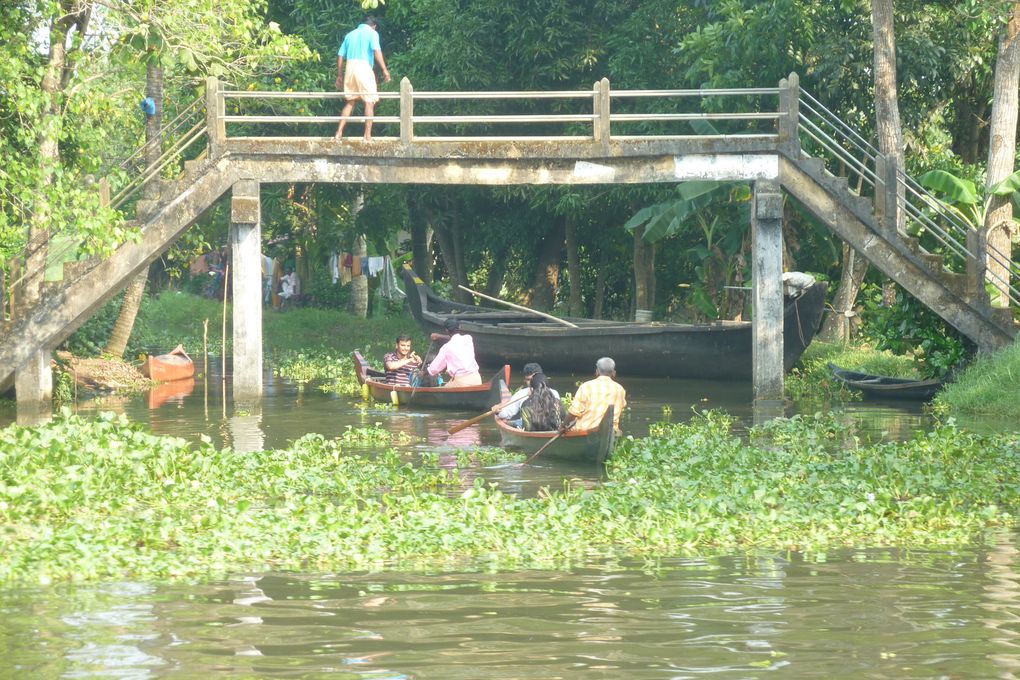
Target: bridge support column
[33, 388]
[767, 282]
[246, 278]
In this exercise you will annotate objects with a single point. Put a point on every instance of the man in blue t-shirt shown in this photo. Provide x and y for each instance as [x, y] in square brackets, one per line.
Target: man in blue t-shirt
[361, 50]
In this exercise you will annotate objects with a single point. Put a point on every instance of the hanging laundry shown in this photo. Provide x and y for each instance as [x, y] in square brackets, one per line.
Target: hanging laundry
[334, 267]
[375, 265]
[388, 287]
[356, 266]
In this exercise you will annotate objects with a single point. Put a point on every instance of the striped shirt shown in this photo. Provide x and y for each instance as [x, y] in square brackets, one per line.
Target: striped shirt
[592, 400]
[402, 375]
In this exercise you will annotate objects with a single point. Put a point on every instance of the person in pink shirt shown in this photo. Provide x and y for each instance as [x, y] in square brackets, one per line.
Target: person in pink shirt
[457, 358]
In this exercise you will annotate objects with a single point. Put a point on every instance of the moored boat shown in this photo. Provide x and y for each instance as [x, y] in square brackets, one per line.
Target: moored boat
[476, 397]
[886, 387]
[717, 350]
[174, 365]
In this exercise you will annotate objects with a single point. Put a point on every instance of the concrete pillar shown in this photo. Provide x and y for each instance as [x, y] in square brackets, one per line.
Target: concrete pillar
[33, 388]
[246, 279]
[767, 282]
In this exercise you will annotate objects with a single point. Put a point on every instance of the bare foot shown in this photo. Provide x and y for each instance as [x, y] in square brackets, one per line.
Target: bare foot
[337, 138]
[367, 139]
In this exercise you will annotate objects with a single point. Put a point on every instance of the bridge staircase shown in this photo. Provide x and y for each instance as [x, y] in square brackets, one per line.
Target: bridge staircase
[898, 225]
[824, 164]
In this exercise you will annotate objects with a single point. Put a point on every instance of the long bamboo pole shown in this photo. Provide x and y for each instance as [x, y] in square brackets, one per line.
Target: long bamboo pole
[520, 307]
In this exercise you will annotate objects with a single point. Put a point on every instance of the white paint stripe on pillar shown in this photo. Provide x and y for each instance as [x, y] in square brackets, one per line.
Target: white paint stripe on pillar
[726, 167]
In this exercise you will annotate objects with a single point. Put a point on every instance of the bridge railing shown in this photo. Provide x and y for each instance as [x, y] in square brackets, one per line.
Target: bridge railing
[902, 203]
[596, 115]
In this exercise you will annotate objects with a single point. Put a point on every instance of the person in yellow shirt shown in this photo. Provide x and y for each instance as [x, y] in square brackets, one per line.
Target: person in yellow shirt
[594, 397]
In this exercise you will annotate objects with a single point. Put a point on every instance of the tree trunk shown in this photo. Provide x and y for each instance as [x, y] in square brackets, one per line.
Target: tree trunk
[421, 261]
[887, 115]
[48, 138]
[448, 249]
[497, 272]
[153, 150]
[600, 284]
[644, 273]
[576, 303]
[359, 284]
[999, 225]
[126, 319]
[838, 325]
[546, 278]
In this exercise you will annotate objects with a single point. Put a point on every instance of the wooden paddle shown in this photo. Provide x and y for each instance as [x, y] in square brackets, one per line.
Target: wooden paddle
[477, 419]
[544, 447]
[556, 319]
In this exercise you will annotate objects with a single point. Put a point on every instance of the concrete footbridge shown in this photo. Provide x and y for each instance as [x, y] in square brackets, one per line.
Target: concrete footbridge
[779, 139]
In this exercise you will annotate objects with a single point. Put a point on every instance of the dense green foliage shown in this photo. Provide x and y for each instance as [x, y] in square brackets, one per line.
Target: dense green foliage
[87, 499]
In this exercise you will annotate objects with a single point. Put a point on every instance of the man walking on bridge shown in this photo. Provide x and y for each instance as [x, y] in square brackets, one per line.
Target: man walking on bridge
[361, 50]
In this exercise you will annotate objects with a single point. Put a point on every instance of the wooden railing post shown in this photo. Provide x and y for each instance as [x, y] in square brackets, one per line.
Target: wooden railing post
[406, 111]
[789, 115]
[215, 110]
[977, 265]
[104, 192]
[887, 205]
[600, 127]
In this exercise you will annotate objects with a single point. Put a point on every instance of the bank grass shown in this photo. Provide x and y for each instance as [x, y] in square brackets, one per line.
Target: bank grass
[812, 379]
[102, 498]
[177, 317]
[988, 387]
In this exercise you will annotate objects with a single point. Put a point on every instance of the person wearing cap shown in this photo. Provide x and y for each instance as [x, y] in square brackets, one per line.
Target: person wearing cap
[457, 358]
[510, 409]
[594, 397]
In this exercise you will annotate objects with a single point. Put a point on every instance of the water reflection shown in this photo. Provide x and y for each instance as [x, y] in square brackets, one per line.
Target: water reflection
[859, 613]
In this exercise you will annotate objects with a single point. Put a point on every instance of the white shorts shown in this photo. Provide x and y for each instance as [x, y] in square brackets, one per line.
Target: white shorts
[359, 82]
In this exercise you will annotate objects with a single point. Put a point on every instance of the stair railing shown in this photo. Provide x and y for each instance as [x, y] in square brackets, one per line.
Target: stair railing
[185, 130]
[826, 136]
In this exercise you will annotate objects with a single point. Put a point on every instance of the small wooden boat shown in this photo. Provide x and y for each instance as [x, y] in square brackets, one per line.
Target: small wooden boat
[583, 446]
[174, 365]
[473, 398]
[885, 387]
[720, 350]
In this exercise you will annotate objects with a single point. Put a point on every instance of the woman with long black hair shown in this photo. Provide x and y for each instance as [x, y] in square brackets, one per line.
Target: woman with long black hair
[542, 411]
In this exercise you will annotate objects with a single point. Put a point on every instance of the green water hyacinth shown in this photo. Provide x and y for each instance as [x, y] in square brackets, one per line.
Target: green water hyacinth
[87, 499]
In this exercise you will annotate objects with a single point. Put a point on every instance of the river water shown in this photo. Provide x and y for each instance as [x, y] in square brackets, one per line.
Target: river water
[949, 613]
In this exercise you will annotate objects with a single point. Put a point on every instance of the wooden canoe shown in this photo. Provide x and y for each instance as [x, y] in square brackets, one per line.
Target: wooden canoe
[721, 350]
[886, 387]
[473, 398]
[174, 365]
[582, 446]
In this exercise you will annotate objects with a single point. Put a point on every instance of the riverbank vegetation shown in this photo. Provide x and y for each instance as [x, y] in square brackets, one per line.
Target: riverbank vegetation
[101, 498]
[991, 386]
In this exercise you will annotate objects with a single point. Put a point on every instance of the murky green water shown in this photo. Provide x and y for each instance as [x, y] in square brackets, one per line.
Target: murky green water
[875, 614]
[867, 613]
